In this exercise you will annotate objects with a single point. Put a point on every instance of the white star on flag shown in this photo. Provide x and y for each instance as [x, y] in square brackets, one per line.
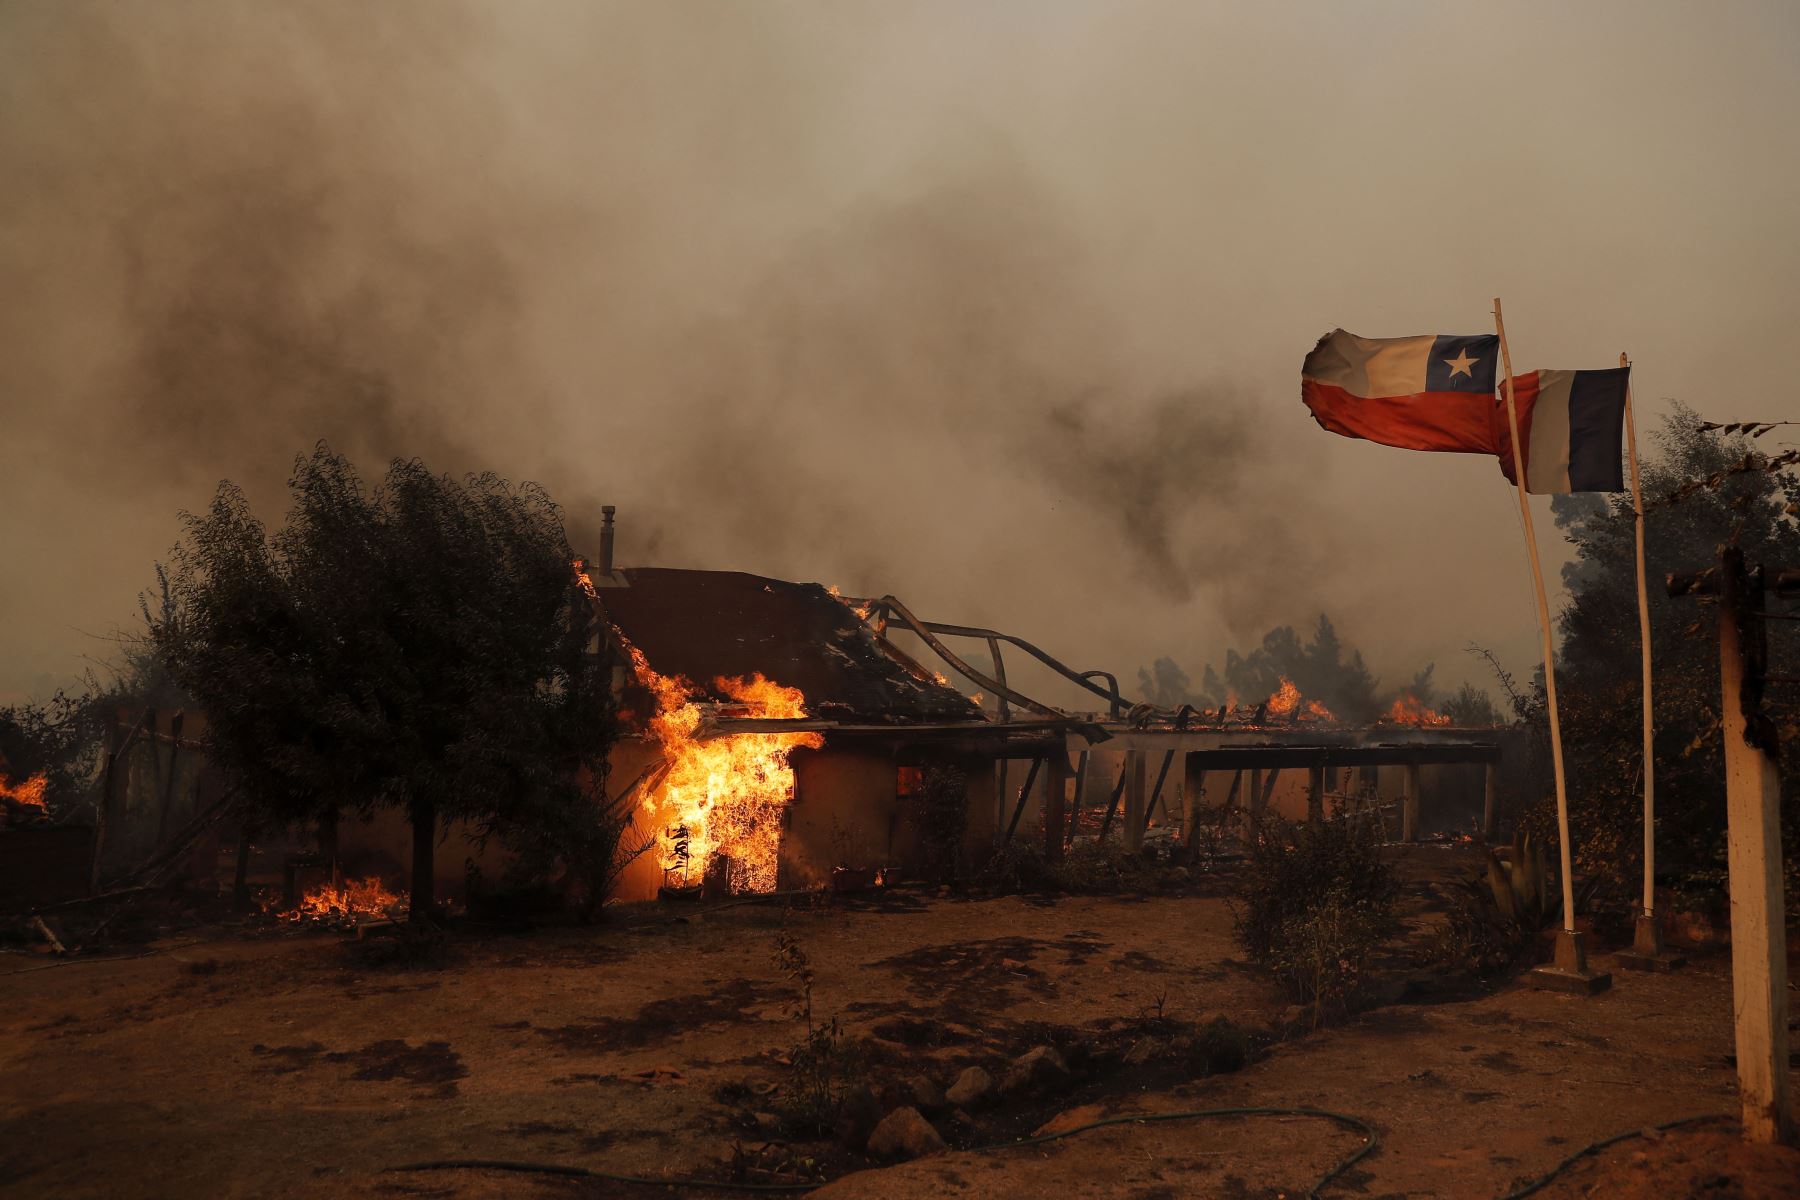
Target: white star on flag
[1461, 363]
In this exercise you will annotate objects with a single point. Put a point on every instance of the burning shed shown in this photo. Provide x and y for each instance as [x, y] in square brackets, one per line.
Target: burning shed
[772, 738]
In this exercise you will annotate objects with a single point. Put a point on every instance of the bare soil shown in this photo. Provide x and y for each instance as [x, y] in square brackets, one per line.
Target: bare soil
[272, 1064]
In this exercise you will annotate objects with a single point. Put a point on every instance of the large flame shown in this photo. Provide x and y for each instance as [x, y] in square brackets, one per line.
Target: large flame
[1408, 709]
[724, 795]
[1286, 702]
[353, 898]
[27, 792]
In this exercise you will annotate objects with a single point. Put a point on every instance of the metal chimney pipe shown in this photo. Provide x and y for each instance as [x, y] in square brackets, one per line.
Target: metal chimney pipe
[606, 540]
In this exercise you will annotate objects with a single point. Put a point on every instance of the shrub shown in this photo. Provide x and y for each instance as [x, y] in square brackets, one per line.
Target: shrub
[1016, 866]
[1316, 902]
[826, 1063]
[1494, 917]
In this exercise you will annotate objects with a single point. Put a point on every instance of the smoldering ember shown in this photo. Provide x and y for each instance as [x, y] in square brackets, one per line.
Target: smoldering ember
[815, 599]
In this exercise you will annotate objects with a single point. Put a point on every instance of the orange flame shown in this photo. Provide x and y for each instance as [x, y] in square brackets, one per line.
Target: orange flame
[582, 578]
[356, 897]
[1407, 709]
[1286, 702]
[725, 795]
[29, 792]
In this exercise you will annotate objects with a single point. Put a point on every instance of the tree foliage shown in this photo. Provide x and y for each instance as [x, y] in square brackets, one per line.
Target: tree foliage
[1324, 668]
[1599, 668]
[417, 646]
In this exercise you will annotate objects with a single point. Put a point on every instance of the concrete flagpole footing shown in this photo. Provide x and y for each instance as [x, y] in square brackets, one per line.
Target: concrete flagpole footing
[1647, 951]
[1570, 972]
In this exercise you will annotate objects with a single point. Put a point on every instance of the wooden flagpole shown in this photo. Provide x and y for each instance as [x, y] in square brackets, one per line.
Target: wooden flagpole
[1647, 952]
[1637, 507]
[1543, 608]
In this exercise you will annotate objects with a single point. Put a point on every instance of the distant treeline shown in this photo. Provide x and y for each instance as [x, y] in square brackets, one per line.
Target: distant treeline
[1324, 668]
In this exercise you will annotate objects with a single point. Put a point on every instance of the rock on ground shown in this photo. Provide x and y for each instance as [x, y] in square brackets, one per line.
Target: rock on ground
[926, 1096]
[970, 1088]
[904, 1133]
[1036, 1070]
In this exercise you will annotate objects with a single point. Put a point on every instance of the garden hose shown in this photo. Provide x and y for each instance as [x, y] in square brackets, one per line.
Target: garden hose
[1542, 1181]
[1360, 1126]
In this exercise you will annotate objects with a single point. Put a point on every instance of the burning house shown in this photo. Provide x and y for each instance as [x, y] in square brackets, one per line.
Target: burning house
[770, 740]
[774, 738]
[775, 735]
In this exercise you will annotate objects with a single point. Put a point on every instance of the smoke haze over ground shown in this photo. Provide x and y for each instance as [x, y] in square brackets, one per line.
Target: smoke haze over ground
[998, 307]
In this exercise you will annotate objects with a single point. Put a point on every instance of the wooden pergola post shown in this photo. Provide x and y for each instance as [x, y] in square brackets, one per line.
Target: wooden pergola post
[1193, 788]
[1136, 792]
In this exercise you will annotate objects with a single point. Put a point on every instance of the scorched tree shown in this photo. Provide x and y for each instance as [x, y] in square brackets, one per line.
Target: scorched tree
[420, 645]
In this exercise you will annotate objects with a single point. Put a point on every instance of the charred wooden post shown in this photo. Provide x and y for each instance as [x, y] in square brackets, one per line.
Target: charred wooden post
[1753, 819]
[1135, 794]
[1253, 806]
[1315, 795]
[1409, 803]
[1056, 782]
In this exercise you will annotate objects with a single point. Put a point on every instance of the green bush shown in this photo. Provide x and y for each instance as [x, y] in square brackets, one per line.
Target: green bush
[1315, 903]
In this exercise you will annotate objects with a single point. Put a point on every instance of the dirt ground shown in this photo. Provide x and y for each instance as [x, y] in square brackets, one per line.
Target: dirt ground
[254, 1062]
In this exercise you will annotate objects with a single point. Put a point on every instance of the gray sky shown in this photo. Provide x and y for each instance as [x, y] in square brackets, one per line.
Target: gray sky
[999, 307]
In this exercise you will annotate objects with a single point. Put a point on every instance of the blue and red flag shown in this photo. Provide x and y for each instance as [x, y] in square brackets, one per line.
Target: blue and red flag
[1436, 392]
[1433, 392]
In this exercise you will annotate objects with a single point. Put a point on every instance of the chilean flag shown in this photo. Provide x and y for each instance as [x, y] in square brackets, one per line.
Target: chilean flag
[1572, 424]
[1434, 392]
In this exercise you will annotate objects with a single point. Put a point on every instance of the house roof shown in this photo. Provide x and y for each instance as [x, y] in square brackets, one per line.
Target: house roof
[706, 624]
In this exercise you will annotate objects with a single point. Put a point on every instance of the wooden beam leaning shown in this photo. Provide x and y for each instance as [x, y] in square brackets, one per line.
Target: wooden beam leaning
[1024, 798]
[1081, 771]
[1156, 794]
[1112, 805]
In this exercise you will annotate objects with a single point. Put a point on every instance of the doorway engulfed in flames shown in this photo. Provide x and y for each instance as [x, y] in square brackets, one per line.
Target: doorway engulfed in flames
[719, 802]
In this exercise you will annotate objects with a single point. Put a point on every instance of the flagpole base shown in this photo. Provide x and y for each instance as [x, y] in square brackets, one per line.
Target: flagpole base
[1647, 951]
[1570, 972]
